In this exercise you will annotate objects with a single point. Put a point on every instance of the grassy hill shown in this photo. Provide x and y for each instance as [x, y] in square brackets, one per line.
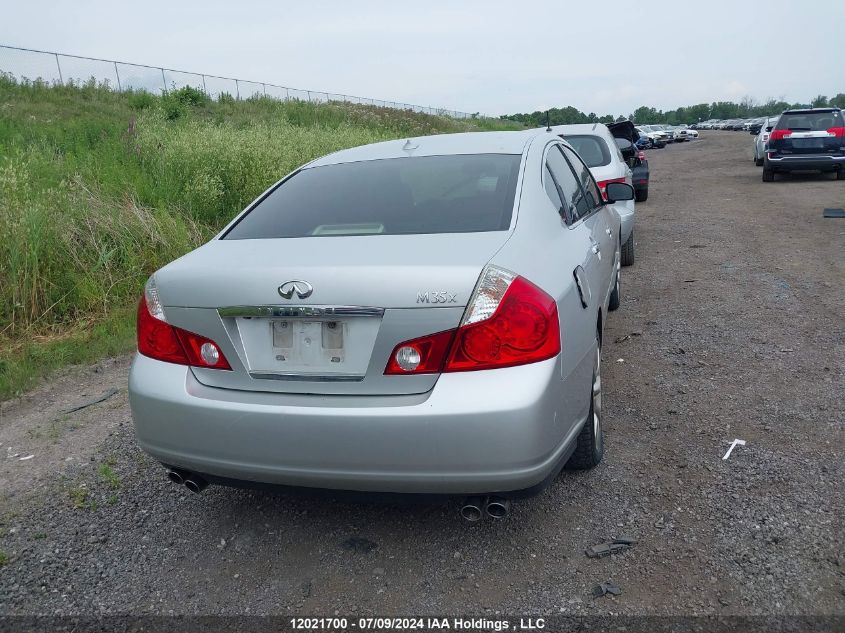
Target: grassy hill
[98, 189]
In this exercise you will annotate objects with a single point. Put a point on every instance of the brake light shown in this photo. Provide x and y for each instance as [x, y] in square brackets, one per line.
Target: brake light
[779, 134]
[603, 184]
[159, 340]
[837, 131]
[508, 322]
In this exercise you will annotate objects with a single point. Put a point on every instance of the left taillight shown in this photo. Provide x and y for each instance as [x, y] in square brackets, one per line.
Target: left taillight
[161, 341]
[603, 185]
[508, 322]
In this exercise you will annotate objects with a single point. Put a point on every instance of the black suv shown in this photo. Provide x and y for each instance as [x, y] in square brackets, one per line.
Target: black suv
[812, 140]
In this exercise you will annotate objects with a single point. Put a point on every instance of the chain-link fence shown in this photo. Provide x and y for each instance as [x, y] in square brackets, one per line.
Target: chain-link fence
[26, 63]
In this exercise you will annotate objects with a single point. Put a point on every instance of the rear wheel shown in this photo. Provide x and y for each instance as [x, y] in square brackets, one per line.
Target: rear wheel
[642, 194]
[768, 175]
[628, 251]
[589, 447]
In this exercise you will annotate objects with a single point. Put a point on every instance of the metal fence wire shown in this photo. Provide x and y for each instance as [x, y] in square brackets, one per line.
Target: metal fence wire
[62, 68]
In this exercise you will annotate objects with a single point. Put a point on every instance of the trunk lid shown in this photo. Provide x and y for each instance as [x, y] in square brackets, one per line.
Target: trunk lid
[335, 333]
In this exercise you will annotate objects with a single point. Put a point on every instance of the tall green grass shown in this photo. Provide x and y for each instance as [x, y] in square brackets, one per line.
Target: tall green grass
[98, 189]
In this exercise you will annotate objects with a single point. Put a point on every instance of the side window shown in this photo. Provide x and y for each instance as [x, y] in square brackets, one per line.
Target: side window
[551, 188]
[591, 190]
[572, 193]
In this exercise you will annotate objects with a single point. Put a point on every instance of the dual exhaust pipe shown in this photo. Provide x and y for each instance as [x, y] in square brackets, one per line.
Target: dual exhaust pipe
[191, 481]
[474, 508]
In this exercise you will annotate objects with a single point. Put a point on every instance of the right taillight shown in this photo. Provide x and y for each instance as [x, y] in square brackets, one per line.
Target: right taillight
[161, 341]
[836, 131]
[509, 321]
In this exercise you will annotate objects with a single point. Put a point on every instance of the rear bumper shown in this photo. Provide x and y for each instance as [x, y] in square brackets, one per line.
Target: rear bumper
[809, 162]
[476, 432]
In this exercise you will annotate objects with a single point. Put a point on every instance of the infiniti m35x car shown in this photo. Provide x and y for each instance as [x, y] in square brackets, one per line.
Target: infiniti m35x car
[420, 316]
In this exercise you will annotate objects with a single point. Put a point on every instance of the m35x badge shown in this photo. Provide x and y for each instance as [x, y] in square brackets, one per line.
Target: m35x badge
[437, 296]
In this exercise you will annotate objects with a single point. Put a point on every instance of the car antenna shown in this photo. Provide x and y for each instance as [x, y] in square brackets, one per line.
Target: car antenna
[548, 122]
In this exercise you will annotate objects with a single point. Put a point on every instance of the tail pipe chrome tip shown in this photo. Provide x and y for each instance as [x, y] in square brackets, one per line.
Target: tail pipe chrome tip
[195, 483]
[176, 475]
[497, 507]
[473, 509]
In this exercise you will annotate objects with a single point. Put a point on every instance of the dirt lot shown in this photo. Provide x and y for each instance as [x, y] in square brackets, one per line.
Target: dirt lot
[732, 326]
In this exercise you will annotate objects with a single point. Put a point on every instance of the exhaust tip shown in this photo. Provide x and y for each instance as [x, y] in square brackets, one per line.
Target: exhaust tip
[472, 509]
[498, 508]
[176, 476]
[196, 484]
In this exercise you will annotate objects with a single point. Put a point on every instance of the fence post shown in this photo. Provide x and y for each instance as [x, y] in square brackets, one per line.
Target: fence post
[163, 80]
[203, 85]
[237, 90]
[117, 74]
[287, 94]
[61, 80]
[264, 86]
[308, 92]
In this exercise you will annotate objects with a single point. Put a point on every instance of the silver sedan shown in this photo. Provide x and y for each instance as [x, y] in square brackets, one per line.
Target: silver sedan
[414, 316]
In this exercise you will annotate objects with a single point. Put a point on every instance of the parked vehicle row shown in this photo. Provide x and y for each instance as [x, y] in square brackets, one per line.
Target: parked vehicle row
[412, 316]
[662, 134]
[736, 125]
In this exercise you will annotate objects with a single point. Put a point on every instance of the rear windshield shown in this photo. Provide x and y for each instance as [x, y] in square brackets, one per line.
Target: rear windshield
[397, 196]
[592, 149]
[810, 121]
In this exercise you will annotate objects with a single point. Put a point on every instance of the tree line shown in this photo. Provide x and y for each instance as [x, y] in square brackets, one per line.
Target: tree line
[745, 109]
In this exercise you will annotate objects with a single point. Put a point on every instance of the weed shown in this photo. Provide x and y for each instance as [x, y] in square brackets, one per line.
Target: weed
[3, 558]
[78, 496]
[107, 475]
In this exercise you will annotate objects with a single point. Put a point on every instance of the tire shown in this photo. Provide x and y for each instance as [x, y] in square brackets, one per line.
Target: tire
[768, 175]
[589, 445]
[615, 296]
[641, 195]
[758, 162]
[628, 251]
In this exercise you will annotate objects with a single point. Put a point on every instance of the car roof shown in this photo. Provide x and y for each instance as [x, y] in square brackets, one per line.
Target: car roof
[436, 145]
[594, 129]
[811, 110]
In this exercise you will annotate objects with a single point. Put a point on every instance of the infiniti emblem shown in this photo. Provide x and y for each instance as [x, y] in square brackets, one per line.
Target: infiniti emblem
[302, 289]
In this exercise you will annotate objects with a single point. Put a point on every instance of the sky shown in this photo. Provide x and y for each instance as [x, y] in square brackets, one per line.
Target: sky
[492, 57]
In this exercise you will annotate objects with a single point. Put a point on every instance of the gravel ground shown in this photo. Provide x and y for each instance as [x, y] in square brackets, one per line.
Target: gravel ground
[732, 326]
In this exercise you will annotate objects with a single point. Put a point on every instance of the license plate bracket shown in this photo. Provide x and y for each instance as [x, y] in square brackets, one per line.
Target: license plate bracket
[308, 342]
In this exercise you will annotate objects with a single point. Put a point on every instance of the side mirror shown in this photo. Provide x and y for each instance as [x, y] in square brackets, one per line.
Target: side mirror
[619, 192]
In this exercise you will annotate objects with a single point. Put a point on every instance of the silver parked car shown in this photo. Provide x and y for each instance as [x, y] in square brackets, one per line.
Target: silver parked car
[420, 316]
[597, 146]
[762, 139]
